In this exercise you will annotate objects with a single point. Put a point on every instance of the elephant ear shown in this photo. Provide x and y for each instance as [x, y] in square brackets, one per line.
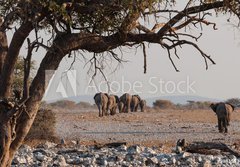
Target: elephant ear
[139, 98]
[214, 107]
[106, 95]
[95, 96]
[116, 98]
[233, 107]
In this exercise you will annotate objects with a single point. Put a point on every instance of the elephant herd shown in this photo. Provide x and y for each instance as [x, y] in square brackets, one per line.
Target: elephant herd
[127, 103]
[110, 103]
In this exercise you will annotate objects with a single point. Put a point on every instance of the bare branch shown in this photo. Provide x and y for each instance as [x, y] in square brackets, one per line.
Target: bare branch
[145, 58]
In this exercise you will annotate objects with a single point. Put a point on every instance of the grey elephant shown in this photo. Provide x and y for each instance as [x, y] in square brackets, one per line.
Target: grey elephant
[113, 101]
[126, 99]
[101, 100]
[135, 103]
[223, 112]
[120, 106]
[143, 105]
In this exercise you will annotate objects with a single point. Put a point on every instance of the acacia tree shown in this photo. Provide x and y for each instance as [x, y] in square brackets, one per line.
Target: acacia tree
[95, 26]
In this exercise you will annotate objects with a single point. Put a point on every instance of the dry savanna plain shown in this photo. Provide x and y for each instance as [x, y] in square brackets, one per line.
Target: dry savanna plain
[160, 128]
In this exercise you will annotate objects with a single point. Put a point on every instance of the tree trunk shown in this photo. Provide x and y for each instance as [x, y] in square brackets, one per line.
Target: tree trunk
[5, 137]
[3, 49]
[13, 51]
[50, 62]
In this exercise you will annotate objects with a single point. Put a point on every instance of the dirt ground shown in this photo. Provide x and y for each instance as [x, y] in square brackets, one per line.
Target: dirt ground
[152, 128]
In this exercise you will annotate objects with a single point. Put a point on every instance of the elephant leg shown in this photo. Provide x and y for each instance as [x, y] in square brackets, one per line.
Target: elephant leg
[220, 125]
[136, 107]
[228, 118]
[124, 109]
[132, 108]
[225, 125]
[127, 108]
[105, 111]
[99, 111]
[114, 110]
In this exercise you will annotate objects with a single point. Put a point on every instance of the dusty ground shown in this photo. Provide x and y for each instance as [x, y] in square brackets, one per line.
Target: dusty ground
[149, 128]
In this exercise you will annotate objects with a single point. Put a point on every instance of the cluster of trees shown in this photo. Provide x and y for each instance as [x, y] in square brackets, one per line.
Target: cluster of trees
[95, 26]
[67, 104]
[190, 105]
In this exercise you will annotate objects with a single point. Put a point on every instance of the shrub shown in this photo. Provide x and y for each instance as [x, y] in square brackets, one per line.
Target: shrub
[83, 104]
[198, 105]
[63, 104]
[234, 101]
[43, 126]
[163, 104]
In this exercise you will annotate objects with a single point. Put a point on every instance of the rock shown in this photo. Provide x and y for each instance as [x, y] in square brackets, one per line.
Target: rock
[25, 149]
[151, 161]
[217, 161]
[207, 163]
[174, 160]
[190, 161]
[178, 150]
[39, 156]
[209, 157]
[122, 148]
[134, 149]
[199, 159]
[150, 151]
[73, 142]
[19, 160]
[60, 161]
[43, 151]
[101, 161]
[29, 159]
[185, 154]
[129, 157]
[111, 163]
[233, 159]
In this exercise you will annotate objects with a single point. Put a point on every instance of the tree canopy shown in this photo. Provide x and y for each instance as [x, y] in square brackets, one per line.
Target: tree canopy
[95, 26]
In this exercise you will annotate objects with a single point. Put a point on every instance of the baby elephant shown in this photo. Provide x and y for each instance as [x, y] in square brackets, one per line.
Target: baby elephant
[223, 111]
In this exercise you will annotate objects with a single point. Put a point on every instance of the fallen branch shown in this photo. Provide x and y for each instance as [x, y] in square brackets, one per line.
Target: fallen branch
[205, 147]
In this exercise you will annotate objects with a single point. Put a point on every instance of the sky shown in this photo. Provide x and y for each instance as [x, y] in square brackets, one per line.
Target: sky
[220, 81]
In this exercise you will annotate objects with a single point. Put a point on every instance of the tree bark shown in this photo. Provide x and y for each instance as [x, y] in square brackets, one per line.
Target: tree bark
[3, 49]
[51, 61]
[16, 44]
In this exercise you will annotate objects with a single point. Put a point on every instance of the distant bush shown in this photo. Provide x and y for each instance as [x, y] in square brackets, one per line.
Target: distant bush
[63, 104]
[163, 104]
[197, 105]
[43, 126]
[83, 104]
[191, 105]
[233, 101]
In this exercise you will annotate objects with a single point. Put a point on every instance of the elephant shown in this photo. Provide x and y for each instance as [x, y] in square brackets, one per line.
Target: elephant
[223, 111]
[101, 100]
[135, 103]
[126, 98]
[113, 101]
[143, 105]
[121, 107]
